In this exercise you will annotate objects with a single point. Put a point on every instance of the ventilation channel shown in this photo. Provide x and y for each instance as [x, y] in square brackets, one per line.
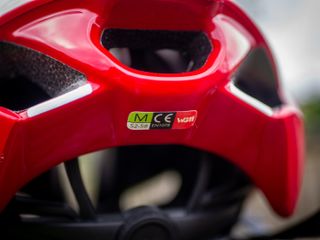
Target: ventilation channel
[158, 51]
[257, 78]
[28, 77]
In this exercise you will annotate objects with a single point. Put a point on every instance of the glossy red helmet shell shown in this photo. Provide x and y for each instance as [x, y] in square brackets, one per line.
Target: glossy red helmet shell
[265, 142]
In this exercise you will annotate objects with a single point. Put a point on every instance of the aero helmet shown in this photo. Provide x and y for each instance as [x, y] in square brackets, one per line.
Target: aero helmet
[165, 84]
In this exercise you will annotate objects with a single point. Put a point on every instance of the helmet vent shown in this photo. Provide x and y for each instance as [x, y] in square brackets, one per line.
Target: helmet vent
[257, 78]
[28, 77]
[158, 51]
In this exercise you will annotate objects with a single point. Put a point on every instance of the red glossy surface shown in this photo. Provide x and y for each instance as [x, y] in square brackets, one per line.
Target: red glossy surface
[268, 148]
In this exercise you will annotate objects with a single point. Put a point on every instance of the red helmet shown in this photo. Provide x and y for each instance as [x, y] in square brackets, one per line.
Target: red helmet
[81, 76]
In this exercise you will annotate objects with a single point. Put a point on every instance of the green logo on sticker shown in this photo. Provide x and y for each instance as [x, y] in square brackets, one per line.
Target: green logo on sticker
[140, 117]
[161, 120]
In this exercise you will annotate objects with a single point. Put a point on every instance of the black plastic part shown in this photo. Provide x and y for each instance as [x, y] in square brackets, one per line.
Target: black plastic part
[60, 230]
[201, 183]
[61, 222]
[194, 48]
[206, 224]
[200, 225]
[148, 223]
[215, 199]
[31, 206]
[257, 78]
[85, 205]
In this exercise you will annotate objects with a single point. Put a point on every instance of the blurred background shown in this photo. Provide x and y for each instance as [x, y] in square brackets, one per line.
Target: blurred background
[291, 28]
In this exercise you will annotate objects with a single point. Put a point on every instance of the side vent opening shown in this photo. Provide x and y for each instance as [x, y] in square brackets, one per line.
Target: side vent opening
[28, 78]
[19, 93]
[158, 51]
[257, 78]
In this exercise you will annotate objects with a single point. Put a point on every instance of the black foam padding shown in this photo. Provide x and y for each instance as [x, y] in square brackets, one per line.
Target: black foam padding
[52, 76]
[192, 45]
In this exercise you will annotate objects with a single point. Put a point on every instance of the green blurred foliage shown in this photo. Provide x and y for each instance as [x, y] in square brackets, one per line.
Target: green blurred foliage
[311, 112]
